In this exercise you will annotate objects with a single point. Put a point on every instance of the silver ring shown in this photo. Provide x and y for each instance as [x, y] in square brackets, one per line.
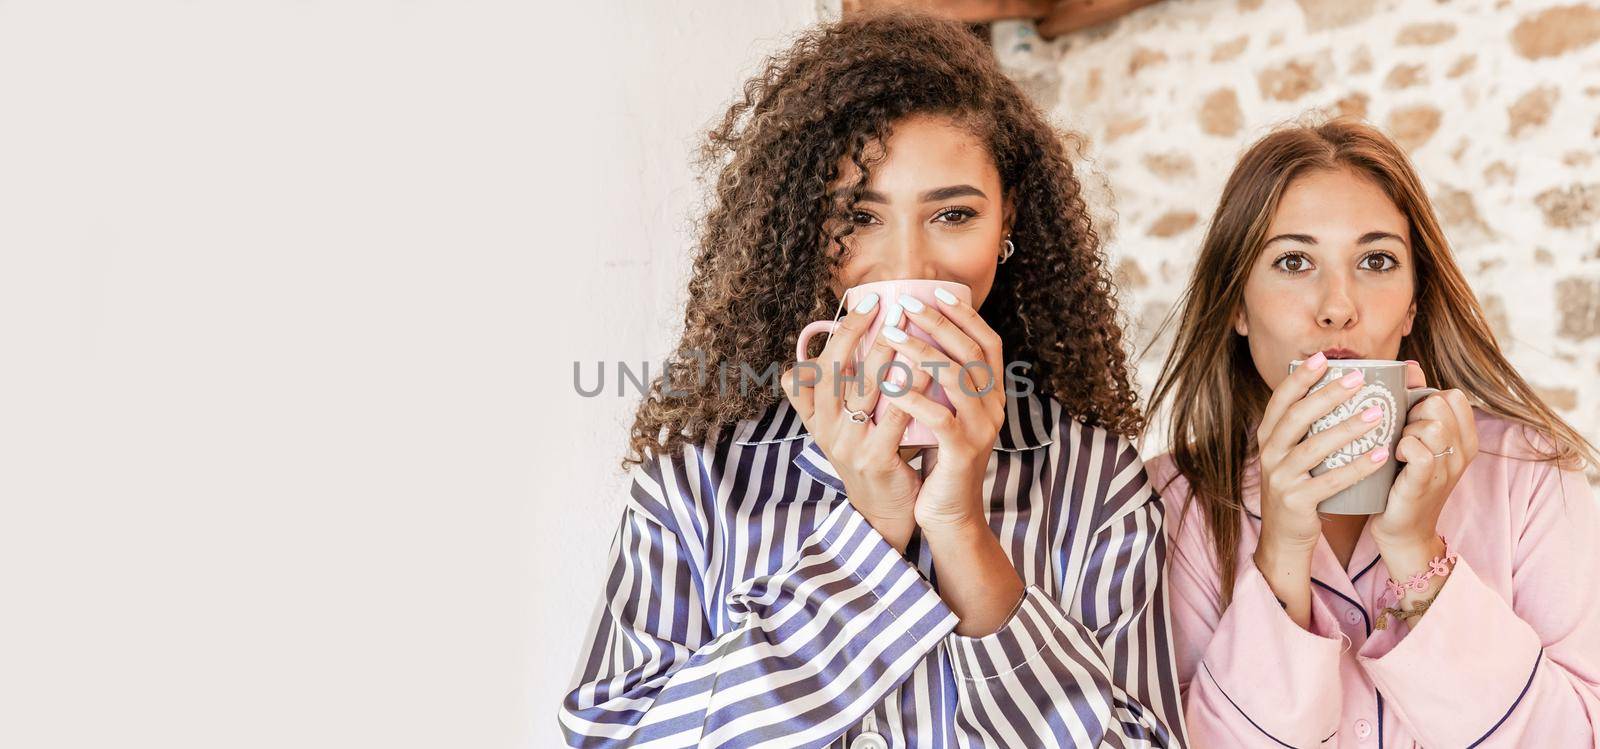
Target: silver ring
[1451, 450]
[859, 417]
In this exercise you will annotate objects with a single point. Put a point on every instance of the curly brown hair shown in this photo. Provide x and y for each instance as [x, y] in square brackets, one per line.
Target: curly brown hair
[762, 270]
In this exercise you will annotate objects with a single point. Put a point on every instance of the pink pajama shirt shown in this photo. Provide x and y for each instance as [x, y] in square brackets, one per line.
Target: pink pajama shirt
[1508, 655]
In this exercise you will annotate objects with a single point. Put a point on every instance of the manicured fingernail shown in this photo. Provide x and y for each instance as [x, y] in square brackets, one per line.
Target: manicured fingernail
[910, 302]
[1316, 361]
[1353, 379]
[945, 296]
[1379, 455]
[1371, 414]
[894, 334]
[1413, 361]
[867, 303]
[891, 317]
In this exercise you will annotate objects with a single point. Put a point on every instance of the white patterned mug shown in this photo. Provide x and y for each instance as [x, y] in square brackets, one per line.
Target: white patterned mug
[1384, 386]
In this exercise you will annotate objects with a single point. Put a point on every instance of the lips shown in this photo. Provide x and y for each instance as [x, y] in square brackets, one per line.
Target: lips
[1341, 353]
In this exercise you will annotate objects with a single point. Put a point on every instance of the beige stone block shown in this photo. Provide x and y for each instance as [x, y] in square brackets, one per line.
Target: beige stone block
[1413, 125]
[1331, 14]
[1406, 76]
[1173, 223]
[1578, 306]
[1532, 109]
[1570, 207]
[1423, 34]
[1171, 165]
[1556, 31]
[1220, 114]
[1230, 49]
[1291, 80]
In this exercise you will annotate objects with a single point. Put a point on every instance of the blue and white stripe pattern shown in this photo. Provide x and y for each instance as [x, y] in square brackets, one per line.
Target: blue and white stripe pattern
[748, 604]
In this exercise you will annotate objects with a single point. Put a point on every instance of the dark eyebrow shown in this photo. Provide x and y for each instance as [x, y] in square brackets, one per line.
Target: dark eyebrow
[1369, 237]
[941, 193]
[1301, 238]
[1373, 236]
[953, 191]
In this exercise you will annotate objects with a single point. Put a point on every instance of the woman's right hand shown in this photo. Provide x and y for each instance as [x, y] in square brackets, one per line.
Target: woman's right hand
[1289, 493]
[879, 484]
[1290, 525]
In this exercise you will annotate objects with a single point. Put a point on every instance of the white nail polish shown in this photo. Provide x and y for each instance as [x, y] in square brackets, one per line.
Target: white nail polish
[894, 334]
[911, 303]
[891, 317]
[867, 303]
[945, 296]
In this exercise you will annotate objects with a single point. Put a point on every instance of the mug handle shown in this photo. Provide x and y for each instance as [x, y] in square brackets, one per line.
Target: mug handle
[807, 332]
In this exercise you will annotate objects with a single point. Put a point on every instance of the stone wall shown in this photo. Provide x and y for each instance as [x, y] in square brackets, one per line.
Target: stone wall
[1497, 102]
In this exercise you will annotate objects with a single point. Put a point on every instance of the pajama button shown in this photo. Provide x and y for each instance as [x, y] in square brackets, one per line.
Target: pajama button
[869, 740]
[1363, 729]
[1352, 616]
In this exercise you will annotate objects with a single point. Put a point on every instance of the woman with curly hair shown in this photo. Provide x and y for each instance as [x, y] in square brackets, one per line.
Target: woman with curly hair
[786, 574]
[1460, 614]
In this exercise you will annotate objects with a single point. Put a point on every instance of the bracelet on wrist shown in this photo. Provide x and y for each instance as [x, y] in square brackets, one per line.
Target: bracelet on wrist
[1418, 608]
[1439, 566]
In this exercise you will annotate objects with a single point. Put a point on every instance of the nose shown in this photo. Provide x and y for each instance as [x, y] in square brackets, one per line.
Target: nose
[1337, 310]
[911, 256]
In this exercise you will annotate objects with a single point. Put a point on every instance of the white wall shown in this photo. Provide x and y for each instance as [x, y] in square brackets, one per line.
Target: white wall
[674, 71]
[289, 299]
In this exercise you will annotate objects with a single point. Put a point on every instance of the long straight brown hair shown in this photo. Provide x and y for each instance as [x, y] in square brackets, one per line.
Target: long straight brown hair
[1217, 396]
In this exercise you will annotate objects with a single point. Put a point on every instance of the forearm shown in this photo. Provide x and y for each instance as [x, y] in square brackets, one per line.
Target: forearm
[1288, 575]
[976, 578]
[895, 529]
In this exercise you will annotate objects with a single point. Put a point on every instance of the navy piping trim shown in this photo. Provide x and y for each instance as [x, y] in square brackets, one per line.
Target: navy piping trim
[1241, 710]
[1364, 617]
[1380, 718]
[1525, 688]
[1364, 570]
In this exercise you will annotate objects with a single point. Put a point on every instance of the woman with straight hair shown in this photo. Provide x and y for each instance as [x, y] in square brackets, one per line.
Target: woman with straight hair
[1466, 612]
[786, 572]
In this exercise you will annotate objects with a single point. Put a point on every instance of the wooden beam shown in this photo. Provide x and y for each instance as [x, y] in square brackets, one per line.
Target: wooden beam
[966, 11]
[1071, 15]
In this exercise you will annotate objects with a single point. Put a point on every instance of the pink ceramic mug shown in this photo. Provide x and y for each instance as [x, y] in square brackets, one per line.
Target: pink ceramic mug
[916, 435]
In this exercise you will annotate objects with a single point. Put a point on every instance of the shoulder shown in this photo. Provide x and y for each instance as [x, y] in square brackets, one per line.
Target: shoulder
[1500, 438]
[1513, 458]
[667, 486]
[1165, 477]
[1100, 472]
[1185, 527]
[1073, 435]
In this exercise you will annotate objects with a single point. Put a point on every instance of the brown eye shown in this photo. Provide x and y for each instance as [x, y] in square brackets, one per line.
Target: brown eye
[1292, 263]
[1379, 262]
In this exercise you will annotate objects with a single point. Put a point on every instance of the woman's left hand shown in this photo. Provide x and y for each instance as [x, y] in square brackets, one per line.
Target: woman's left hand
[951, 495]
[1441, 421]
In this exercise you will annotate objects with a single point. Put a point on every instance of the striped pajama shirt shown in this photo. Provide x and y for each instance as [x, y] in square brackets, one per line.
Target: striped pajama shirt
[749, 604]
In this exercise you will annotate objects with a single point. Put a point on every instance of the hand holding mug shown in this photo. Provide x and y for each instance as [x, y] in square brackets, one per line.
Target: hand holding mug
[1290, 494]
[1439, 441]
[865, 453]
[969, 364]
